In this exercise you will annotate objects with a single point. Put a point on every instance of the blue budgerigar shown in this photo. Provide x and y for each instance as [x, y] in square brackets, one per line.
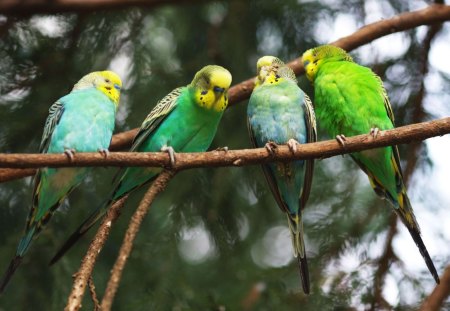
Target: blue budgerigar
[279, 112]
[82, 121]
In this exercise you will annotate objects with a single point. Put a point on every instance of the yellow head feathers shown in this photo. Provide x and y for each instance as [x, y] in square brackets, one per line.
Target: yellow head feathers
[211, 86]
[313, 58]
[106, 81]
[272, 68]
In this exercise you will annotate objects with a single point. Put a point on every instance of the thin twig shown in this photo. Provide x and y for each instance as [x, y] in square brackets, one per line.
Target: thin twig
[323, 149]
[93, 294]
[88, 262]
[156, 187]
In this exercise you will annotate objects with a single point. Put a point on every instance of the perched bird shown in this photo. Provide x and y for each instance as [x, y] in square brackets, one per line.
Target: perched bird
[185, 120]
[279, 112]
[82, 121]
[350, 99]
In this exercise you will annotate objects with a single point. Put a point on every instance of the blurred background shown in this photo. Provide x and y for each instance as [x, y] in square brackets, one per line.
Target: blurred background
[215, 239]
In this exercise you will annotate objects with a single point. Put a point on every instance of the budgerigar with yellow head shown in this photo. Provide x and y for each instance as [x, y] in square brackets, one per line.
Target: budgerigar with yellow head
[351, 100]
[185, 120]
[82, 121]
[279, 112]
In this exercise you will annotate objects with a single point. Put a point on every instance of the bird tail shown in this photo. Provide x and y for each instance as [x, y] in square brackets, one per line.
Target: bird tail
[296, 228]
[88, 223]
[402, 207]
[15, 262]
[405, 212]
[24, 244]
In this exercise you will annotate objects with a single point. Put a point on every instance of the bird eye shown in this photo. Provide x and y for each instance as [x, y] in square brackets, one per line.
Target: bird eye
[107, 80]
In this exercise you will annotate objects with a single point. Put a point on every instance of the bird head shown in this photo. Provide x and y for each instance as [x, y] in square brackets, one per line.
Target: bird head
[270, 69]
[314, 58]
[107, 82]
[211, 86]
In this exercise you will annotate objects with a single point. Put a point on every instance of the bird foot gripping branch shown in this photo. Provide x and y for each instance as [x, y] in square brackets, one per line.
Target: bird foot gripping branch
[341, 139]
[104, 152]
[171, 153]
[374, 131]
[271, 147]
[292, 144]
[70, 154]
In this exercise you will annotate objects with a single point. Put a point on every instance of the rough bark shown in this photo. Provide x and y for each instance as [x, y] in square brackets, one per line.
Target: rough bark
[324, 149]
[87, 265]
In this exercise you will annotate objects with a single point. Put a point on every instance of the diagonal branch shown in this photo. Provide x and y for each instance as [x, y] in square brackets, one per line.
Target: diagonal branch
[433, 14]
[440, 293]
[87, 265]
[324, 149]
[136, 220]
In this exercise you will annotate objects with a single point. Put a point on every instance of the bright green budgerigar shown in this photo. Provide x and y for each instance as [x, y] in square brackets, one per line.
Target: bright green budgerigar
[351, 100]
[82, 121]
[279, 112]
[185, 120]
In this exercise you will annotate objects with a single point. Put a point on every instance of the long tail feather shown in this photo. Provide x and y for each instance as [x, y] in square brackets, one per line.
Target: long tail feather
[424, 252]
[304, 273]
[296, 228]
[15, 262]
[97, 214]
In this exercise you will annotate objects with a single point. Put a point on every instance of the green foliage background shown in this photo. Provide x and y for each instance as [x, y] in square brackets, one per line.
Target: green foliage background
[229, 210]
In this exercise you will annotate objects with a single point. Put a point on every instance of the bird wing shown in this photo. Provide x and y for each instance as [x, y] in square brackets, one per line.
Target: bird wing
[162, 109]
[268, 174]
[54, 116]
[311, 128]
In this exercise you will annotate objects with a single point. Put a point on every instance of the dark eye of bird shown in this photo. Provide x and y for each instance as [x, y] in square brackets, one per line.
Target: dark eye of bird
[218, 89]
[107, 80]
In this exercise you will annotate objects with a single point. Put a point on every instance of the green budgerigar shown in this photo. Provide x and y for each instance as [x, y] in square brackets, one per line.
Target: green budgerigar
[350, 99]
[279, 112]
[185, 120]
[82, 121]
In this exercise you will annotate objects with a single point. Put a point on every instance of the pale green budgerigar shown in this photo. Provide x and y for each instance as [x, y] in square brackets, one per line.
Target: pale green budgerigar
[82, 121]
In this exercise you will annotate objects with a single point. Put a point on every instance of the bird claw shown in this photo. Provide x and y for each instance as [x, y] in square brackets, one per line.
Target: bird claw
[70, 153]
[292, 144]
[374, 132]
[104, 152]
[341, 139]
[171, 153]
[271, 147]
[225, 149]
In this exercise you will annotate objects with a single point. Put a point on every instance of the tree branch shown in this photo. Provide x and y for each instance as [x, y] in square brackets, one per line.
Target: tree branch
[156, 187]
[324, 149]
[440, 293]
[30, 7]
[433, 14]
[88, 262]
